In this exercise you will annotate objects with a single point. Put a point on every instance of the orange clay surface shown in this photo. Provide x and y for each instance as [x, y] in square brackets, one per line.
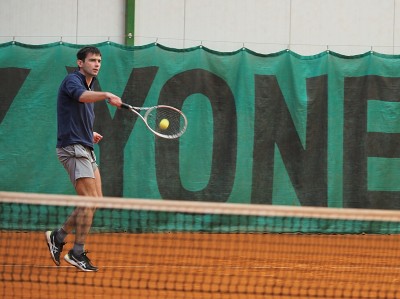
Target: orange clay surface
[196, 265]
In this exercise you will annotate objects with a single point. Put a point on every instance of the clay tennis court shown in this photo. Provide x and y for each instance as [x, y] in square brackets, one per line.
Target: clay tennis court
[196, 265]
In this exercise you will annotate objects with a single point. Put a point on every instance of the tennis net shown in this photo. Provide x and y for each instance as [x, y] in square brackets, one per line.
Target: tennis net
[178, 249]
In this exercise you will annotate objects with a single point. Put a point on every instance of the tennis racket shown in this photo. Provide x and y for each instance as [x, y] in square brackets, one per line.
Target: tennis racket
[164, 121]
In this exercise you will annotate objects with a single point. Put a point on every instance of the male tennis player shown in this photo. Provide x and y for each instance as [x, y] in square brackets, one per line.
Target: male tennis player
[75, 140]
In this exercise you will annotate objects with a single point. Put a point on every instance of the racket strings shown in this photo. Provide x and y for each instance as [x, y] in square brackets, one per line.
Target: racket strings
[175, 120]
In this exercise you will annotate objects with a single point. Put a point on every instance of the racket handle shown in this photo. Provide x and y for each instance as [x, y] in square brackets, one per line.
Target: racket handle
[126, 106]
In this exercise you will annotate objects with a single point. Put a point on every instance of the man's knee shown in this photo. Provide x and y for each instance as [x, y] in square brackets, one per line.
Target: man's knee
[86, 187]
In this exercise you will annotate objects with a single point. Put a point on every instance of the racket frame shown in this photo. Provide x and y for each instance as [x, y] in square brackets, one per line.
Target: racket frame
[148, 110]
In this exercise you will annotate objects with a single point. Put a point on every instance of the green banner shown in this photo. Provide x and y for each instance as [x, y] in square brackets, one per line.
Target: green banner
[279, 129]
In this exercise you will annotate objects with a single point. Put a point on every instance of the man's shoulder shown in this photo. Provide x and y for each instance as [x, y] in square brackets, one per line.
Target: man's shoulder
[73, 78]
[75, 75]
[72, 86]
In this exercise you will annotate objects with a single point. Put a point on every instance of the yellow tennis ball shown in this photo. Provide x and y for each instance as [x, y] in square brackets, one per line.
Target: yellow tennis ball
[164, 123]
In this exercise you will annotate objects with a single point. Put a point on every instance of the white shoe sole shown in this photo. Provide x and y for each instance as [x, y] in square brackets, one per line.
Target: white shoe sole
[75, 264]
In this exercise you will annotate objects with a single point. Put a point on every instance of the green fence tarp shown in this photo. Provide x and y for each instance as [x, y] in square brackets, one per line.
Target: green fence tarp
[279, 129]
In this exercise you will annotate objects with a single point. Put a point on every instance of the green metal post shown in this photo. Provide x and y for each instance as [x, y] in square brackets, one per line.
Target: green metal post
[129, 22]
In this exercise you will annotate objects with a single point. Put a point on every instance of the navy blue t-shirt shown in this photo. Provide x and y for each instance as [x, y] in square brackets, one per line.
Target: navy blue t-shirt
[75, 119]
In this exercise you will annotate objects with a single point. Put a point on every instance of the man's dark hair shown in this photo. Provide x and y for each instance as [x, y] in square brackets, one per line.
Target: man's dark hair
[82, 53]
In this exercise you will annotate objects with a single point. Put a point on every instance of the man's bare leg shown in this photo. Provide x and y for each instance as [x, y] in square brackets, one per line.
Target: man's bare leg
[81, 218]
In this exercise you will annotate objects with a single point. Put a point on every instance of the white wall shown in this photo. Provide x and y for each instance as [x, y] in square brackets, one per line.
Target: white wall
[265, 26]
[305, 26]
[73, 21]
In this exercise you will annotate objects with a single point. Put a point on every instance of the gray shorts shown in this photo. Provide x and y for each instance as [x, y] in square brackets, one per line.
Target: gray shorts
[78, 160]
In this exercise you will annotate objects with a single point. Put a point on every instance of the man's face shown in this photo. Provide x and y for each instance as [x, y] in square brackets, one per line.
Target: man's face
[91, 66]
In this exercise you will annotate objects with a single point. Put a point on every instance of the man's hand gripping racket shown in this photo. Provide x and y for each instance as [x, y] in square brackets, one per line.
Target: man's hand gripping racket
[164, 121]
